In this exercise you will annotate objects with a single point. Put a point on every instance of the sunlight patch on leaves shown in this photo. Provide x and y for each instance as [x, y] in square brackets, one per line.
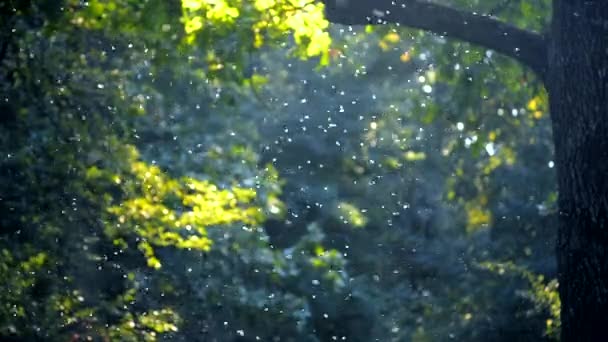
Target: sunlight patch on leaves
[543, 293]
[167, 212]
[265, 21]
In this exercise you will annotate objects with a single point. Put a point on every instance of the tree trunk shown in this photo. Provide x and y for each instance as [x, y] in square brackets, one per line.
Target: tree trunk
[578, 88]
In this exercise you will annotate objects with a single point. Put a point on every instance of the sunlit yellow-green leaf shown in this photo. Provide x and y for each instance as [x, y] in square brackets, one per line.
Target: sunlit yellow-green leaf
[352, 215]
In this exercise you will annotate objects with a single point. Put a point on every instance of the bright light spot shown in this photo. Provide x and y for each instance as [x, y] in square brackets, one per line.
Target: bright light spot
[470, 141]
[274, 209]
[427, 88]
[460, 126]
[373, 125]
[378, 13]
[490, 148]
[551, 164]
[421, 79]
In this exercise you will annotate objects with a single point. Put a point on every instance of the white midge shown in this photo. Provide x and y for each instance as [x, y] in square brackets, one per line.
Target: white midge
[490, 148]
[469, 141]
[274, 209]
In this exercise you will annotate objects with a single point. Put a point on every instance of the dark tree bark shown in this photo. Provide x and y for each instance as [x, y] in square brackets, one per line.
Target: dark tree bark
[575, 69]
[578, 87]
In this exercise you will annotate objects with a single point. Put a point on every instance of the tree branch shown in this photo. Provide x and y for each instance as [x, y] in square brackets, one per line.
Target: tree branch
[528, 47]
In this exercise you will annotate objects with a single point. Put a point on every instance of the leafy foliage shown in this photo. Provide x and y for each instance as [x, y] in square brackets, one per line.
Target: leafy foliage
[224, 171]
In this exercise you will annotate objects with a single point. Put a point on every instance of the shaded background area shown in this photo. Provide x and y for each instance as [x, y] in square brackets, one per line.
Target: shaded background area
[239, 181]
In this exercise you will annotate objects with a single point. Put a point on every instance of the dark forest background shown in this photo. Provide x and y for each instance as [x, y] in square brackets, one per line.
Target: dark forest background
[237, 170]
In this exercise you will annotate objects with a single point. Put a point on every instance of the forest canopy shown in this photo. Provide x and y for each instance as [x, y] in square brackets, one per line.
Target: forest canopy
[235, 170]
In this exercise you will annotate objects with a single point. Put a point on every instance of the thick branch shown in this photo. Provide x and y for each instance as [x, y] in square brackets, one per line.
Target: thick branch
[527, 47]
